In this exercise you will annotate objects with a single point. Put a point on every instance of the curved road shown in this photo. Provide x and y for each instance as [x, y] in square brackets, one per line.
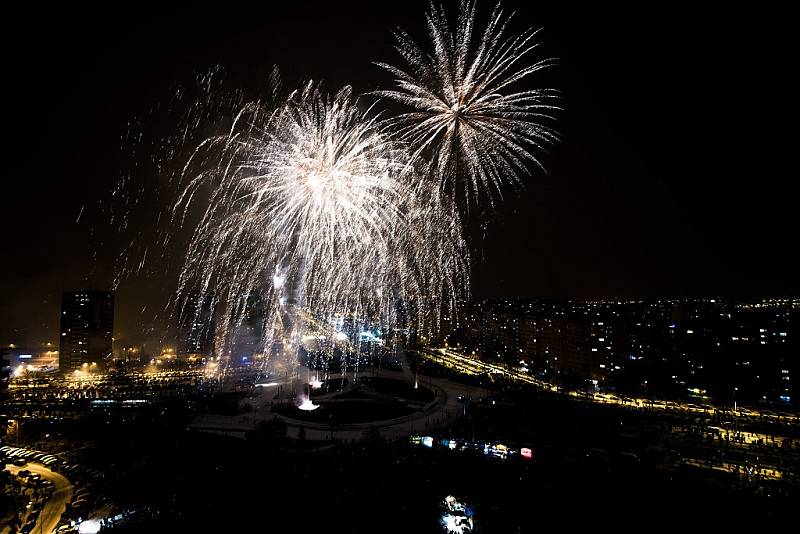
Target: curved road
[474, 366]
[56, 504]
[438, 413]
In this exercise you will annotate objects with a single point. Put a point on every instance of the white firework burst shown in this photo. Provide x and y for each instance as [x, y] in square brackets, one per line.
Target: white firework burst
[471, 117]
[311, 202]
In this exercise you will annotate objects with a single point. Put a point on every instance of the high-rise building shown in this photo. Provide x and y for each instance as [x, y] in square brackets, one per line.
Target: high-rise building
[87, 322]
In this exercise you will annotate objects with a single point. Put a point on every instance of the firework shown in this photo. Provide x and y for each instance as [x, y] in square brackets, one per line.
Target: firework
[312, 208]
[469, 118]
[311, 204]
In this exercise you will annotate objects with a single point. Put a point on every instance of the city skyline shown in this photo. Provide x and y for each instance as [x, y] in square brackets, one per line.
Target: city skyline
[451, 266]
[634, 204]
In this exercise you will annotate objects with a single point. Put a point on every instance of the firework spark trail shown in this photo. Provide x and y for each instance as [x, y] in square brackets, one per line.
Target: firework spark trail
[310, 199]
[466, 115]
[312, 195]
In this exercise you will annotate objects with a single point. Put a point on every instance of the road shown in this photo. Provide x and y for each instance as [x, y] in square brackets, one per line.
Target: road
[56, 504]
[473, 366]
[765, 472]
[441, 411]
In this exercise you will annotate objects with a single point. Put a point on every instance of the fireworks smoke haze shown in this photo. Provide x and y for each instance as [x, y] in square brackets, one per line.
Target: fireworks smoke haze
[313, 206]
[323, 208]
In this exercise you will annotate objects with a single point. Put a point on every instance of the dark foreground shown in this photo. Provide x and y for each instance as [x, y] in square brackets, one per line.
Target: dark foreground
[182, 481]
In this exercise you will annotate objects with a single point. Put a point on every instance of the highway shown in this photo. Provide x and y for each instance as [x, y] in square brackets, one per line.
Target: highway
[767, 473]
[473, 366]
[56, 504]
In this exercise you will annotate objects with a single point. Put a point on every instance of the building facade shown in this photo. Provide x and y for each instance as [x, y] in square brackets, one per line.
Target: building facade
[87, 322]
[673, 347]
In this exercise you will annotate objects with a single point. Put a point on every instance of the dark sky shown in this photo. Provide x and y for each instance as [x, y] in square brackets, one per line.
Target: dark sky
[673, 177]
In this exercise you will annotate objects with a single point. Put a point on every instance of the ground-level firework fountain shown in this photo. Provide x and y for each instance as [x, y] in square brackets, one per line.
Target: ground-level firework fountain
[307, 405]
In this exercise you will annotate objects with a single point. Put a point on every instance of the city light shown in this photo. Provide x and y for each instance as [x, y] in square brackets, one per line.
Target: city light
[457, 518]
[307, 268]
[90, 526]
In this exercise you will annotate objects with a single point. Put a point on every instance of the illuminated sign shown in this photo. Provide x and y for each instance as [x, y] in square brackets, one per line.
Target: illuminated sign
[427, 441]
[498, 450]
[25, 356]
[526, 453]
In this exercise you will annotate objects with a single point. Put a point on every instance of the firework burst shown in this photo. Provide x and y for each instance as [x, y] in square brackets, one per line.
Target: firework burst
[311, 203]
[313, 207]
[468, 118]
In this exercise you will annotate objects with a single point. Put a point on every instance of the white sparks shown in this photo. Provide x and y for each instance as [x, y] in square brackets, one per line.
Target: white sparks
[313, 193]
[469, 119]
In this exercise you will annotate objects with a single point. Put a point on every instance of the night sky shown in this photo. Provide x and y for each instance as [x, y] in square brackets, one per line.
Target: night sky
[672, 179]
